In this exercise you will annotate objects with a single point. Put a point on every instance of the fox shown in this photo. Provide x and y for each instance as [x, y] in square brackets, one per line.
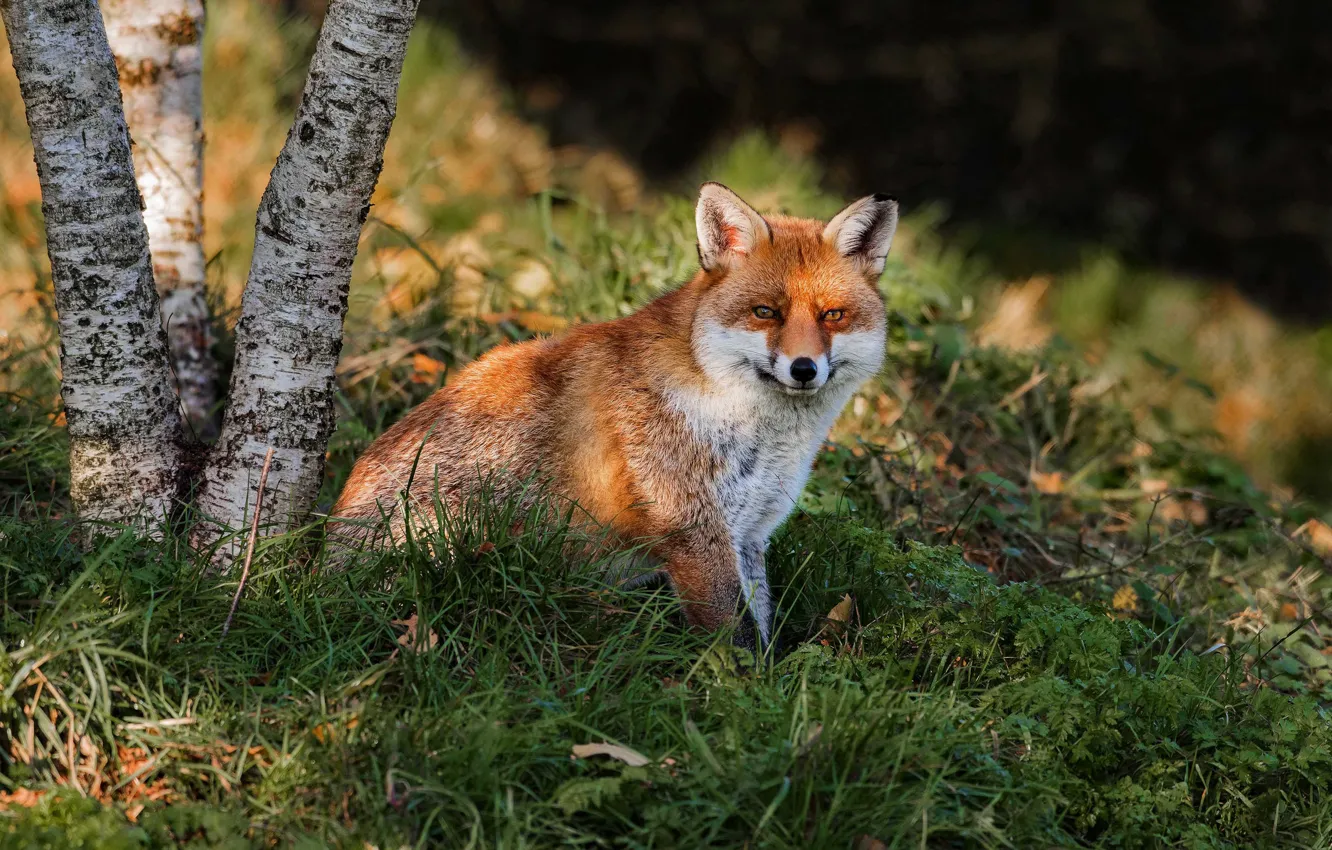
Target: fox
[687, 429]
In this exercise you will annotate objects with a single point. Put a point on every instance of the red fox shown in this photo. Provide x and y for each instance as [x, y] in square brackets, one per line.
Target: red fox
[688, 427]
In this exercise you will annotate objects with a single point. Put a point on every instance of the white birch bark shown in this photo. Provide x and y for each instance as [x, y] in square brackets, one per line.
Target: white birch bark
[308, 226]
[158, 50]
[122, 415]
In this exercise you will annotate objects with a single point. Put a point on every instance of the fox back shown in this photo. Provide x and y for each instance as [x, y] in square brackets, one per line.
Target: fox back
[686, 429]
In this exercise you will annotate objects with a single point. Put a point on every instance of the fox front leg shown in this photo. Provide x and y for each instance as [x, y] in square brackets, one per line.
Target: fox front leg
[754, 584]
[712, 579]
[704, 574]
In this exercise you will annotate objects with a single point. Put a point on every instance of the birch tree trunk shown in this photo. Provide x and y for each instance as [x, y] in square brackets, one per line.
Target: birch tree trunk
[123, 418]
[308, 226]
[158, 50]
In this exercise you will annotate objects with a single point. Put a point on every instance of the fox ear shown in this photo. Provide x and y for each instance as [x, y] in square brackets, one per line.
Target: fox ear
[864, 230]
[727, 226]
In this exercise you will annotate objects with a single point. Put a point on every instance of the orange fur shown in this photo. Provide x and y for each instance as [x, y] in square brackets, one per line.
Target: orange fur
[602, 415]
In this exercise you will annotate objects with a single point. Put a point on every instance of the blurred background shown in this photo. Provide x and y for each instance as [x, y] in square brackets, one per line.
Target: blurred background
[1147, 182]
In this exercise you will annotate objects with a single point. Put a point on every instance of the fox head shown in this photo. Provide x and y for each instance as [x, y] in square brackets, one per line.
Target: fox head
[788, 303]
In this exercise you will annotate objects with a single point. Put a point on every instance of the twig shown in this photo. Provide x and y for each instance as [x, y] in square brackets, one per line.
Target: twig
[963, 517]
[1298, 627]
[1147, 541]
[249, 549]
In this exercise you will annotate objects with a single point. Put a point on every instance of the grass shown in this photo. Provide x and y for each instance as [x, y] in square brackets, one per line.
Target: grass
[1080, 615]
[952, 711]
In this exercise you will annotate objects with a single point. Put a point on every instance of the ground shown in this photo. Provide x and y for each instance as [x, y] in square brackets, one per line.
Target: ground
[1050, 584]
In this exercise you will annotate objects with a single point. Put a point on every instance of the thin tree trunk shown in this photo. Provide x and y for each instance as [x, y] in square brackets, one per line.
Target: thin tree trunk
[309, 223]
[158, 50]
[123, 417]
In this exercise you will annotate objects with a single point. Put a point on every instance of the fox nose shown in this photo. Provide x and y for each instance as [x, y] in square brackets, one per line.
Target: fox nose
[804, 370]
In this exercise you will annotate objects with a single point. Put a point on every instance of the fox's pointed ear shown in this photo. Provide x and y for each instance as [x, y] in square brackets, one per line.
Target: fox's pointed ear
[727, 226]
[864, 230]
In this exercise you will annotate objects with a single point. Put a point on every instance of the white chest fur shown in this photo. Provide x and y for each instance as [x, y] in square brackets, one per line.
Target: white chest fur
[765, 443]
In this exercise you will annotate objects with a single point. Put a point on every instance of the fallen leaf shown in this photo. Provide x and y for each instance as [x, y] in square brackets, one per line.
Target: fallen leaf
[1192, 511]
[615, 751]
[326, 731]
[841, 612]
[1289, 611]
[1049, 483]
[25, 797]
[1319, 536]
[412, 638]
[1016, 323]
[1126, 599]
[425, 369]
[531, 280]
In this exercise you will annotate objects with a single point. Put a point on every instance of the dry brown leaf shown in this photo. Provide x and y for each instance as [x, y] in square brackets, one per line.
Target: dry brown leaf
[532, 280]
[1319, 536]
[841, 612]
[1184, 510]
[1125, 599]
[1250, 619]
[839, 616]
[1152, 486]
[1289, 611]
[1017, 324]
[323, 733]
[426, 369]
[1049, 483]
[633, 758]
[25, 797]
[412, 639]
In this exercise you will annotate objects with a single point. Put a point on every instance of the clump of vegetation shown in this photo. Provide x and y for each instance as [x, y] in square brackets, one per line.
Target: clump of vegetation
[1029, 599]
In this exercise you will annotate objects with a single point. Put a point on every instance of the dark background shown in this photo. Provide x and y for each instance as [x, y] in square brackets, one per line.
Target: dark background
[1192, 135]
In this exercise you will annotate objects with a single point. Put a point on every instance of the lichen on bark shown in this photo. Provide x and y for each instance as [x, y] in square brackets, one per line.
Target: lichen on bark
[121, 409]
[158, 49]
[307, 229]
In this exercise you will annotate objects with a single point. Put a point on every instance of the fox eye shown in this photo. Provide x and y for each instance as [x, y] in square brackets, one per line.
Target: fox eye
[833, 315]
[764, 312]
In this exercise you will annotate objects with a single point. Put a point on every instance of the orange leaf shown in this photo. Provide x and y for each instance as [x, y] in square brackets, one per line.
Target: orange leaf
[841, 612]
[412, 639]
[1126, 599]
[1049, 483]
[426, 368]
[1319, 536]
[25, 797]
